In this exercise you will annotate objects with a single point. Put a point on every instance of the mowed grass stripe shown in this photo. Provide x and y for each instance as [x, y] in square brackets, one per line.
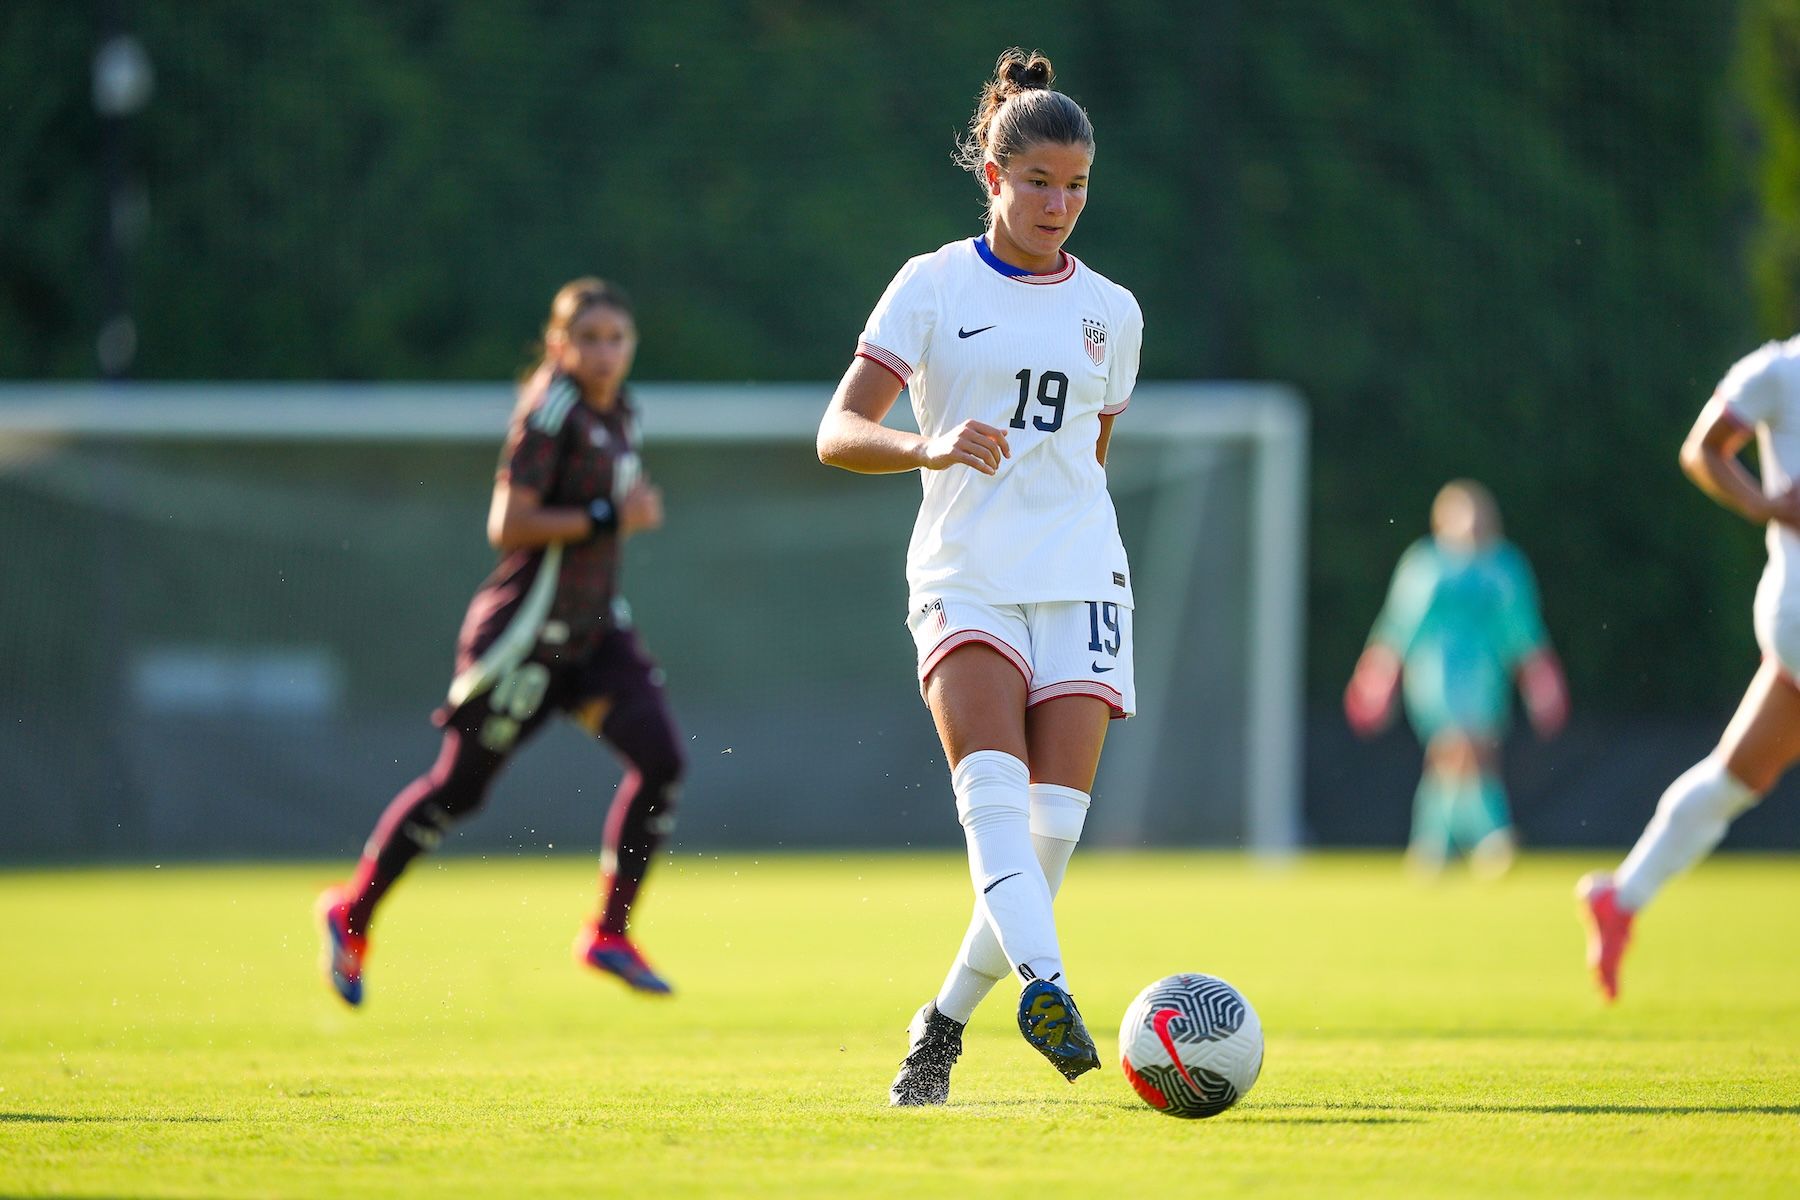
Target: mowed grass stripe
[163, 1031]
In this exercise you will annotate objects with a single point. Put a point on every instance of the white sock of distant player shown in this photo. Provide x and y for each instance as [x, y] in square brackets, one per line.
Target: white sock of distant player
[993, 801]
[1057, 815]
[1690, 820]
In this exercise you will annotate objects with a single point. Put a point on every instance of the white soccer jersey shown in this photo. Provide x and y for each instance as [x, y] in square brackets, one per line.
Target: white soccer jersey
[1762, 392]
[1042, 357]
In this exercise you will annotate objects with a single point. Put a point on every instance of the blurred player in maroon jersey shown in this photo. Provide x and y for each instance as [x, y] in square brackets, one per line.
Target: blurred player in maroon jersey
[547, 633]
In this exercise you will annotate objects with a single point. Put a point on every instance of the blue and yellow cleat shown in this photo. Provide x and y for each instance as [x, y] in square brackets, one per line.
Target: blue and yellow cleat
[344, 951]
[1051, 1023]
[614, 954]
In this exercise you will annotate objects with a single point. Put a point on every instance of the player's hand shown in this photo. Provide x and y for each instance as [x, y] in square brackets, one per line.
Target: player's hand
[642, 508]
[1369, 700]
[1546, 693]
[971, 444]
[1785, 508]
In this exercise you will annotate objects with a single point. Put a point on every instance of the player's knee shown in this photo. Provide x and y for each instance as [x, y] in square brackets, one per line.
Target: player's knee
[1708, 793]
[991, 787]
[461, 777]
[646, 735]
[660, 759]
[1058, 812]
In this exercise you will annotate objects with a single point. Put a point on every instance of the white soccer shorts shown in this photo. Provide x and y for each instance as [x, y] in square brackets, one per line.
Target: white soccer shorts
[1776, 617]
[1063, 647]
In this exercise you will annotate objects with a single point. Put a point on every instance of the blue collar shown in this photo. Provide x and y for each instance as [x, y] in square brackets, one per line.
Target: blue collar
[993, 260]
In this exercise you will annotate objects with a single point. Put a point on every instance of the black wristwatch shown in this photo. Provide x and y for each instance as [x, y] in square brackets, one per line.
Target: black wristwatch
[604, 516]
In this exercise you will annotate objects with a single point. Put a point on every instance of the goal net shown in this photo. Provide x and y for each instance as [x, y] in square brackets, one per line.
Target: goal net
[229, 609]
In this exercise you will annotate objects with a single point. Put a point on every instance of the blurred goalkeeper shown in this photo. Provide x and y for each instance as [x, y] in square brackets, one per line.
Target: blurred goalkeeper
[545, 633]
[1461, 623]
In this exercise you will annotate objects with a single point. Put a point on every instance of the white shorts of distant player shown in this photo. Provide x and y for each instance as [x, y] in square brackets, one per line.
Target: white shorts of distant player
[1776, 611]
[1062, 648]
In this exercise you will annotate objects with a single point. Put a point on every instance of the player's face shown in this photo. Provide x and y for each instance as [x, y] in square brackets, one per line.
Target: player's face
[1038, 197]
[596, 349]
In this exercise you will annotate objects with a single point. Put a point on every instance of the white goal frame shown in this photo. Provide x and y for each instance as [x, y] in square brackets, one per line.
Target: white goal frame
[1170, 431]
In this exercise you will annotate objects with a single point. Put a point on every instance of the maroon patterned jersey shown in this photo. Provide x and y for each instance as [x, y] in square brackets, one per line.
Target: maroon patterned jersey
[553, 603]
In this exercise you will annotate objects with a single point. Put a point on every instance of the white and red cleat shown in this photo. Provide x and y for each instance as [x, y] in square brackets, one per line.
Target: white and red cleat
[1609, 930]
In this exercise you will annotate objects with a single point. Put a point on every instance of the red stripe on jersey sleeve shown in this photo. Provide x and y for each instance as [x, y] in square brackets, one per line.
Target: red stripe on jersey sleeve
[895, 365]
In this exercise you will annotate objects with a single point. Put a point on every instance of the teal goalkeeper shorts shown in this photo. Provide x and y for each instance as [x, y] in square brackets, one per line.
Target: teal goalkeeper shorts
[1466, 694]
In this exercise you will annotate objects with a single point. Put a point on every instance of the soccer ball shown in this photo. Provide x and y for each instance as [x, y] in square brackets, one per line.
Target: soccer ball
[1191, 1045]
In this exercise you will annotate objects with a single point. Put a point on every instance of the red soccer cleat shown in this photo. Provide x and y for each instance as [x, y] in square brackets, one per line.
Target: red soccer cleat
[344, 951]
[614, 954]
[1609, 930]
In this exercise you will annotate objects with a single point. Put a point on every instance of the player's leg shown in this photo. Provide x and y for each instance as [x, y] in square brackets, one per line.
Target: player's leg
[1057, 814]
[1760, 743]
[635, 719]
[478, 740]
[414, 822]
[1478, 816]
[973, 683]
[1067, 743]
[1081, 679]
[1429, 844]
[1064, 735]
[977, 700]
[1493, 844]
[1432, 838]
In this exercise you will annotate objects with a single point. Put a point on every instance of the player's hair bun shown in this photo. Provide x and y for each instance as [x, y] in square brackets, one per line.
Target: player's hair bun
[1018, 108]
[1020, 72]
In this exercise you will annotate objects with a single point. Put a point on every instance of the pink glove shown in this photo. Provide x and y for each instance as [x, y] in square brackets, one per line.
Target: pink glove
[1369, 700]
[1546, 693]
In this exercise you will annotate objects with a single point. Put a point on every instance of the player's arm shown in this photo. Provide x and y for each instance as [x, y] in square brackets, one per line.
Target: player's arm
[1545, 690]
[1105, 442]
[852, 436]
[1709, 457]
[1375, 682]
[518, 518]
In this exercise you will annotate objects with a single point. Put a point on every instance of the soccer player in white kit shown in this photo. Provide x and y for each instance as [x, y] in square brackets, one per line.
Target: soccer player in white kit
[1018, 358]
[1759, 396]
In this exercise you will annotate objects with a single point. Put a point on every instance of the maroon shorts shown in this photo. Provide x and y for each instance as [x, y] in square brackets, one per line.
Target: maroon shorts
[505, 715]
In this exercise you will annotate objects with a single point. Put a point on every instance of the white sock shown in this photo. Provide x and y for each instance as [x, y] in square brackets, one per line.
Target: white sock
[1690, 820]
[1057, 815]
[993, 801]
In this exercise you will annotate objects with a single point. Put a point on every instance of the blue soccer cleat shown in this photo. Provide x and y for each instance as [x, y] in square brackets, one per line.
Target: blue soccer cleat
[1051, 1023]
[614, 954]
[344, 951]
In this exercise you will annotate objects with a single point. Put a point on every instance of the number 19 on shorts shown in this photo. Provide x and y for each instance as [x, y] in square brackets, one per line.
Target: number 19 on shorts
[1103, 627]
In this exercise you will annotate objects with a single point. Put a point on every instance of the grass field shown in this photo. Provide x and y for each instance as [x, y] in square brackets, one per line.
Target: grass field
[163, 1033]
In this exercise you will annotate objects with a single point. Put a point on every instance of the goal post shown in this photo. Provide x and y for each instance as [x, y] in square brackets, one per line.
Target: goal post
[235, 601]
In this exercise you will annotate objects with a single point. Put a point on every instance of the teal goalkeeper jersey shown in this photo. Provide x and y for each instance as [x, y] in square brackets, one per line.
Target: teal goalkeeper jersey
[1461, 625]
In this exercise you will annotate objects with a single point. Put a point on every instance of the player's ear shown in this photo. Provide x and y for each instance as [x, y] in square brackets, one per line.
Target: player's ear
[991, 169]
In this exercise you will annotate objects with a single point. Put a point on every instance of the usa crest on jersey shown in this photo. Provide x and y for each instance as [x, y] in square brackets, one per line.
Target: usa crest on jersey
[1093, 336]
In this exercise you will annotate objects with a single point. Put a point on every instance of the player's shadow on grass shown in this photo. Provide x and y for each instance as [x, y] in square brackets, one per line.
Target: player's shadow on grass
[32, 1118]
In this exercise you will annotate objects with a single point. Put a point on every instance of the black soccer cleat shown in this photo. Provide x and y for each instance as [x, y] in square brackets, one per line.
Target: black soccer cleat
[935, 1045]
[1051, 1023]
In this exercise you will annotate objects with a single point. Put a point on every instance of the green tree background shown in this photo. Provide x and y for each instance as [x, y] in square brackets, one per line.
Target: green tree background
[1516, 241]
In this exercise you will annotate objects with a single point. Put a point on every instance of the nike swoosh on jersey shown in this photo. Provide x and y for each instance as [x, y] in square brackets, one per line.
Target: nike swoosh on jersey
[969, 333]
[1098, 669]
